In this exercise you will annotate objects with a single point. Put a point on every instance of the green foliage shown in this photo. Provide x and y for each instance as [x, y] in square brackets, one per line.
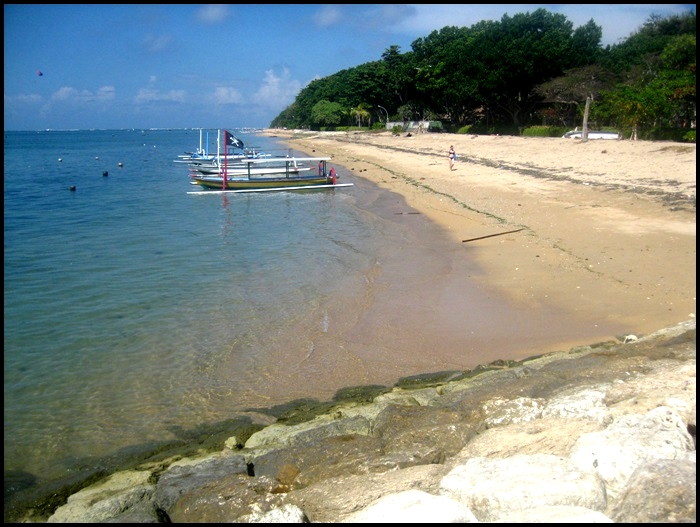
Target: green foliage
[544, 131]
[397, 130]
[671, 134]
[327, 113]
[526, 74]
[495, 129]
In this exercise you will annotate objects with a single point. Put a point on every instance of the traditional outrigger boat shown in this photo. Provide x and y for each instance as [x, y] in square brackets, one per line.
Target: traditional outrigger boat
[202, 157]
[257, 174]
[244, 167]
[271, 177]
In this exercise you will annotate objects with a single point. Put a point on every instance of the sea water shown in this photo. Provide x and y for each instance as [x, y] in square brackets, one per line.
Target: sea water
[135, 311]
[133, 308]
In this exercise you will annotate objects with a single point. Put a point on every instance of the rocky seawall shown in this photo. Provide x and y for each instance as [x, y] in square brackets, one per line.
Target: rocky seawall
[601, 433]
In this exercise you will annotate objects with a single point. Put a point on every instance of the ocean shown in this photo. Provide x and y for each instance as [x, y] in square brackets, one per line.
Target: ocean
[136, 313]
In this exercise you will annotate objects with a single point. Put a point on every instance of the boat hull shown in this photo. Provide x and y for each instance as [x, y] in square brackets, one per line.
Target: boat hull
[214, 182]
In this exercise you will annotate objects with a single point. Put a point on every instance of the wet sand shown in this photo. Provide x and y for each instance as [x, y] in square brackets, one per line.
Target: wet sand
[597, 235]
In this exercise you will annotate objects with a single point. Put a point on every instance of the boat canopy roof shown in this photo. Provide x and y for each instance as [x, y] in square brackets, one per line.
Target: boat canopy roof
[290, 159]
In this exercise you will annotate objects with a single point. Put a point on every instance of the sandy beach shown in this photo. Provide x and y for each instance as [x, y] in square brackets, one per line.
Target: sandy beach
[597, 227]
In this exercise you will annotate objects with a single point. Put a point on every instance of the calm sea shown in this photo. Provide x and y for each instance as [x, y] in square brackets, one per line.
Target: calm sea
[135, 311]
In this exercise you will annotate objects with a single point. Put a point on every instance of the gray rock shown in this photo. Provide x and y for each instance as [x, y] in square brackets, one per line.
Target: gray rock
[630, 441]
[108, 499]
[496, 487]
[283, 514]
[556, 514]
[413, 506]
[230, 499]
[333, 499]
[662, 490]
[188, 475]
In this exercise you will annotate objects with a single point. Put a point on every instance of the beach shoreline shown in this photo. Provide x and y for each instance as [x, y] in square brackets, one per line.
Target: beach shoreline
[574, 230]
[591, 227]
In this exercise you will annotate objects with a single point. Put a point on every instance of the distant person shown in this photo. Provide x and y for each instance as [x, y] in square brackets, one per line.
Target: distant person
[452, 155]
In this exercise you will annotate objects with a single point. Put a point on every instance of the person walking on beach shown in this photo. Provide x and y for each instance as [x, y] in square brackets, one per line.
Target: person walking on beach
[452, 155]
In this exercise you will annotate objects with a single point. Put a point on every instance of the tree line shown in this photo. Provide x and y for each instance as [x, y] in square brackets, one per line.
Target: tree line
[526, 70]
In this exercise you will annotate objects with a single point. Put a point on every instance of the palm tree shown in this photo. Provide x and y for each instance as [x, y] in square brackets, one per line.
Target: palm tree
[360, 113]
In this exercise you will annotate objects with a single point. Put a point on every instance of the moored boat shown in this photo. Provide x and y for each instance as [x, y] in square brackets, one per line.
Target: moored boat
[235, 183]
[255, 176]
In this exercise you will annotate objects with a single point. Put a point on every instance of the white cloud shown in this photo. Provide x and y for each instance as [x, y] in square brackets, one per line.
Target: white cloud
[276, 92]
[67, 93]
[328, 16]
[106, 93]
[154, 44]
[31, 98]
[213, 13]
[386, 16]
[226, 95]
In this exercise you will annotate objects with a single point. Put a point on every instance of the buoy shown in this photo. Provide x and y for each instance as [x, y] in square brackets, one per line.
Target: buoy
[105, 173]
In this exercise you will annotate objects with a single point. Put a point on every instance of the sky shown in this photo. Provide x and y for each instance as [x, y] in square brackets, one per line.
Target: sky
[117, 66]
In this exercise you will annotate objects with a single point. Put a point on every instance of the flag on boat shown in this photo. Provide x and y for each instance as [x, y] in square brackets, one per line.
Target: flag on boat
[231, 140]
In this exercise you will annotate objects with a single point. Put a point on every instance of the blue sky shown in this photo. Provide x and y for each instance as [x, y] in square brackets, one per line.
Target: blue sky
[217, 66]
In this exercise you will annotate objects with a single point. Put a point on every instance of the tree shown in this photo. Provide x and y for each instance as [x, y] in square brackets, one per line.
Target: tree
[327, 113]
[361, 113]
[520, 70]
[567, 93]
[659, 90]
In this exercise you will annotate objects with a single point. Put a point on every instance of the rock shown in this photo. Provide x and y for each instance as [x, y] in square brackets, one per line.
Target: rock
[496, 487]
[556, 514]
[671, 485]
[120, 492]
[413, 506]
[629, 442]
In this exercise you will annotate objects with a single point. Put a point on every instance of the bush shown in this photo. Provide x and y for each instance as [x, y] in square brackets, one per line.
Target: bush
[670, 134]
[494, 129]
[544, 131]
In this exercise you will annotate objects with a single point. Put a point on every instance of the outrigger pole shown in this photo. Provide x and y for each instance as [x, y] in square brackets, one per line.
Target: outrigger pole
[303, 187]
